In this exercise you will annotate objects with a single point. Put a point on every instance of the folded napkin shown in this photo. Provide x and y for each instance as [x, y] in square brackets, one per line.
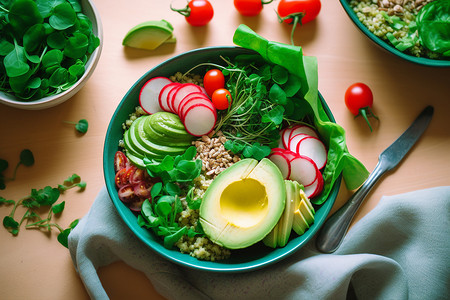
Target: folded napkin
[400, 250]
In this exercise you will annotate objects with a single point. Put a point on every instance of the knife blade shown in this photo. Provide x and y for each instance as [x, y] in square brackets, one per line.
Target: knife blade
[335, 228]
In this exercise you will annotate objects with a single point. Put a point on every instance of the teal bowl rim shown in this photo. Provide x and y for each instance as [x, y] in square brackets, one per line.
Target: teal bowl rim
[386, 46]
[267, 256]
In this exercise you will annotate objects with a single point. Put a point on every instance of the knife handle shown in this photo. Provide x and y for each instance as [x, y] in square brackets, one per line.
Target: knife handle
[334, 229]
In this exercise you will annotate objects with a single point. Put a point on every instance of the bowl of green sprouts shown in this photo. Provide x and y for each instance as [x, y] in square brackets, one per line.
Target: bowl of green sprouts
[48, 50]
[418, 32]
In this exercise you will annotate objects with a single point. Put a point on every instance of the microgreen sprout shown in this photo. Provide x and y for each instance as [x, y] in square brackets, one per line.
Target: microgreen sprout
[81, 126]
[26, 159]
[46, 197]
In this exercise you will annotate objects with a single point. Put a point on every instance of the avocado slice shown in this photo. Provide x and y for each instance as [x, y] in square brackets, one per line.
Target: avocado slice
[155, 148]
[285, 223]
[168, 125]
[146, 130]
[299, 225]
[149, 35]
[243, 203]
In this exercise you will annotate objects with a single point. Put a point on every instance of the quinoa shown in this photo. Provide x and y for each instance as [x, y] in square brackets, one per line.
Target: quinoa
[372, 14]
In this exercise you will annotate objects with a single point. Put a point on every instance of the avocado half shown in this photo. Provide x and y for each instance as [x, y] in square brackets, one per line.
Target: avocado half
[243, 203]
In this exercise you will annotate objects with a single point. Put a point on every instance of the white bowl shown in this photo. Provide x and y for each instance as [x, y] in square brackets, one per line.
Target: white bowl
[10, 100]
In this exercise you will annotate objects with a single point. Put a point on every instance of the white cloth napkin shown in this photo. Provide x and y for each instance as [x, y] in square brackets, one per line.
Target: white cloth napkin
[400, 250]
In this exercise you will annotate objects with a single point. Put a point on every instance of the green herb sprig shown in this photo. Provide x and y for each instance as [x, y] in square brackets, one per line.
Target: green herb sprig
[81, 126]
[44, 46]
[26, 158]
[160, 214]
[46, 197]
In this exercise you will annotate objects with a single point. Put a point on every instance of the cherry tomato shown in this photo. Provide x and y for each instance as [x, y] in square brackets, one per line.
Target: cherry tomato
[213, 80]
[359, 101]
[221, 98]
[136, 205]
[305, 10]
[250, 8]
[142, 189]
[120, 161]
[197, 12]
[126, 193]
[123, 176]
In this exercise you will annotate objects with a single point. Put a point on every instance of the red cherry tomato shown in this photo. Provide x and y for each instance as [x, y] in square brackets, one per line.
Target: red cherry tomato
[123, 176]
[197, 12]
[126, 193]
[213, 80]
[359, 101]
[305, 10]
[120, 161]
[249, 8]
[221, 98]
[142, 189]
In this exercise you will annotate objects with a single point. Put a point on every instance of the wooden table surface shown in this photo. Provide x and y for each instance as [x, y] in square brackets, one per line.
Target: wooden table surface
[34, 265]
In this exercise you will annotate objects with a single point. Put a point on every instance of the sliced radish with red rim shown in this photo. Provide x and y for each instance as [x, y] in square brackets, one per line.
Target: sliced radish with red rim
[199, 119]
[282, 163]
[193, 102]
[315, 149]
[164, 94]
[178, 95]
[149, 94]
[303, 170]
[295, 140]
[315, 188]
[188, 98]
[302, 128]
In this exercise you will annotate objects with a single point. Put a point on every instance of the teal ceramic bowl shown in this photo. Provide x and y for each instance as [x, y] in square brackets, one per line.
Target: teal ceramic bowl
[254, 257]
[387, 46]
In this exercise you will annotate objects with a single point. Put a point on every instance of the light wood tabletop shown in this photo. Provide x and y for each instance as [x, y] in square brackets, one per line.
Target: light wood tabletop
[34, 265]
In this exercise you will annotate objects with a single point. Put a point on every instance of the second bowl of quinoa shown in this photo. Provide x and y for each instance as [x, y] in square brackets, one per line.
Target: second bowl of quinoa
[394, 21]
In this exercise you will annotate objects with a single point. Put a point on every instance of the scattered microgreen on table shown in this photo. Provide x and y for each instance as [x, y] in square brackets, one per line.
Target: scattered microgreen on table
[26, 159]
[159, 213]
[46, 197]
[81, 126]
[44, 46]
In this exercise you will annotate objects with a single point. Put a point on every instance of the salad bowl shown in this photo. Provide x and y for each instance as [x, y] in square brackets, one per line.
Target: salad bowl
[251, 258]
[385, 45]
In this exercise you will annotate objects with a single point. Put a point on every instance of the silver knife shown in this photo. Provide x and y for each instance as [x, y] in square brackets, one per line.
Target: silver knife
[334, 229]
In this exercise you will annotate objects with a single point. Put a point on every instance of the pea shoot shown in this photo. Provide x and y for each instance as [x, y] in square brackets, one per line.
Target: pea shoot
[35, 201]
[26, 159]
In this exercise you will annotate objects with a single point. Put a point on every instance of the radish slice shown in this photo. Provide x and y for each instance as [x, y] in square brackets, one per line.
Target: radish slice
[285, 133]
[164, 94]
[287, 153]
[188, 97]
[178, 95]
[282, 163]
[303, 170]
[305, 129]
[195, 101]
[313, 148]
[315, 188]
[199, 120]
[295, 140]
[149, 94]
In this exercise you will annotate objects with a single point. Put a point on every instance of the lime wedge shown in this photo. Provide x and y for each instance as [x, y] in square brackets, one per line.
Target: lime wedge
[149, 35]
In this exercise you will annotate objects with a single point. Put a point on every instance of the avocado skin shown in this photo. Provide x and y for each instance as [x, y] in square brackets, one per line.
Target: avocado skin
[143, 140]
